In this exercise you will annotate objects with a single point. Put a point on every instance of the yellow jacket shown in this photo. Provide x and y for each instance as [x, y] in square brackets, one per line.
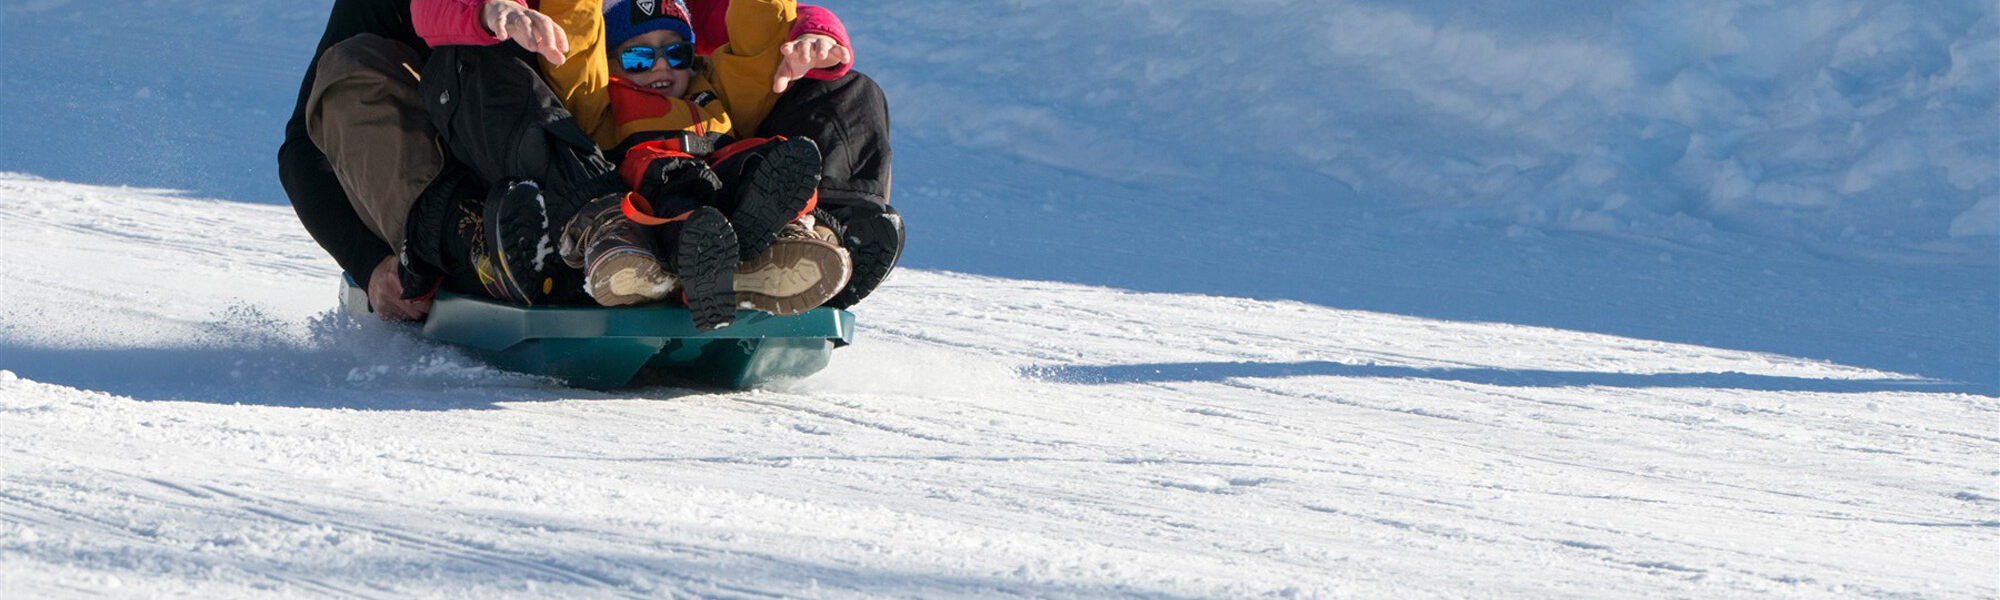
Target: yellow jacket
[730, 92]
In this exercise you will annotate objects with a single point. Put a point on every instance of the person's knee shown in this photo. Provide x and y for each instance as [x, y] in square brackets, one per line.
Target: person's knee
[361, 69]
[499, 64]
[365, 77]
[370, 55]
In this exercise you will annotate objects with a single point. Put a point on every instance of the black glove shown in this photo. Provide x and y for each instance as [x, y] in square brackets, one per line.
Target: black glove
[677, 184]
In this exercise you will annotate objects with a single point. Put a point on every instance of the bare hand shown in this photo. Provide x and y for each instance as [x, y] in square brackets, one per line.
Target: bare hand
[385, 295]
[810, 51]
[532, 30]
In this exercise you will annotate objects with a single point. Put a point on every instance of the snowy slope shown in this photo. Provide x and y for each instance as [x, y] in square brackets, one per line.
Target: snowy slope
[986, 437]
[1811, 179]
[1275, 298]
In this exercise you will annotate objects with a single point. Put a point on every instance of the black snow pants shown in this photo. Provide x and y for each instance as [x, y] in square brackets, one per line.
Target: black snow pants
[498, 117]
[849, 118]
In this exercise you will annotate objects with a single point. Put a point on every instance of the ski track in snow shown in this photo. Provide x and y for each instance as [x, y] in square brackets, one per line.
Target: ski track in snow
[984, 437]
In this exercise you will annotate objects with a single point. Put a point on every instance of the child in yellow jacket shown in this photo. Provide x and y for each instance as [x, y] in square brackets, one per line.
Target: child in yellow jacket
[633, 83]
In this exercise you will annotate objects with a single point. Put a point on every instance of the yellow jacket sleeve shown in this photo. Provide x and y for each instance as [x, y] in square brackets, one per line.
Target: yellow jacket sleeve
[583, 81]
[740, 73]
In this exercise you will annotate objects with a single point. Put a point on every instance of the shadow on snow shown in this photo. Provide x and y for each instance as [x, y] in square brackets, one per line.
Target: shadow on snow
[297, 377]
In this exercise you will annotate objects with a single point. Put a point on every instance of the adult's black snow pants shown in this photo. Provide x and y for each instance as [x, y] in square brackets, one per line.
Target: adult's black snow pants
[849, 118]
[497, 116]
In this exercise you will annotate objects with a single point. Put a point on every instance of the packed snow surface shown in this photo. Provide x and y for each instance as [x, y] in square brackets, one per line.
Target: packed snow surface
[198, 435]
[1279, 298]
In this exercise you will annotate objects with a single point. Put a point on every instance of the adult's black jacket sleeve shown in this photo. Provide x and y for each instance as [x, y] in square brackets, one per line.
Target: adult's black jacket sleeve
[308, 179]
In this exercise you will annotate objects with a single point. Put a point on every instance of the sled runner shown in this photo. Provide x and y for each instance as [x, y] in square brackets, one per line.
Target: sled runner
[603, 348]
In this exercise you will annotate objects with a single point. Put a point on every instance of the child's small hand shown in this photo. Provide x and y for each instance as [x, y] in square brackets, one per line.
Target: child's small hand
[810, 51]
[532, 30]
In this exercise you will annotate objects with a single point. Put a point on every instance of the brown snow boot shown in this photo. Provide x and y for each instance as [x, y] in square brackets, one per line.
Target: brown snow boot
[616, 255]
[798, 273]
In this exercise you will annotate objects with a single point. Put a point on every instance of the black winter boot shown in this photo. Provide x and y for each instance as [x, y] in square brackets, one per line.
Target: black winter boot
[766, 187]
[515, 251]
[427, 232]
[873, 236]
[701, 250]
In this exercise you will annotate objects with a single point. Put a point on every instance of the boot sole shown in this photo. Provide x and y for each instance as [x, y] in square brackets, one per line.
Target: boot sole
[517, 234]
[794, 276]
[705, 260]
[874, 244]
[779, 187]
[627, 278]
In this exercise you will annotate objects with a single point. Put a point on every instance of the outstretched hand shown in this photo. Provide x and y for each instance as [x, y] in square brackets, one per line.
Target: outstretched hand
[532, 30]
[810, 51]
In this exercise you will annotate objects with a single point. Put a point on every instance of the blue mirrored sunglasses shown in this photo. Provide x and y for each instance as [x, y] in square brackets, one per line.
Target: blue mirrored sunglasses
[679, 55]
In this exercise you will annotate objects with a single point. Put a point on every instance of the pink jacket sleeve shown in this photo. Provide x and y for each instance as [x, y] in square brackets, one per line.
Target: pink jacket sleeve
[713, 33]
[814, 19]
[452, 22]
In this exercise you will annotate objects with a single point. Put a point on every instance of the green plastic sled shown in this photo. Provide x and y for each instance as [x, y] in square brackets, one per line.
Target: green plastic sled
[603, 348]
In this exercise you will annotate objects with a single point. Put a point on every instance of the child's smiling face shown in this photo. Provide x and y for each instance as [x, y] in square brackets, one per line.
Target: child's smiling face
[668, 81]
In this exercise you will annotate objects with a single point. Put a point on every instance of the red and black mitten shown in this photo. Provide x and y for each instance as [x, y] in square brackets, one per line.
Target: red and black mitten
[671, 181]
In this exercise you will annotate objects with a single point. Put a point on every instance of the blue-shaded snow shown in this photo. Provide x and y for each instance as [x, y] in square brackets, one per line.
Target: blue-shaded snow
[1847, 126]
[1850, 127]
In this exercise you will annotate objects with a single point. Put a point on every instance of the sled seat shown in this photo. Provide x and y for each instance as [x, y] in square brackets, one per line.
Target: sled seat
[602, 348]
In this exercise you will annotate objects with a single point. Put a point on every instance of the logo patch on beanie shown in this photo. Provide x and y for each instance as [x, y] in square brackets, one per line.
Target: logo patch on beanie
[626, 19]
